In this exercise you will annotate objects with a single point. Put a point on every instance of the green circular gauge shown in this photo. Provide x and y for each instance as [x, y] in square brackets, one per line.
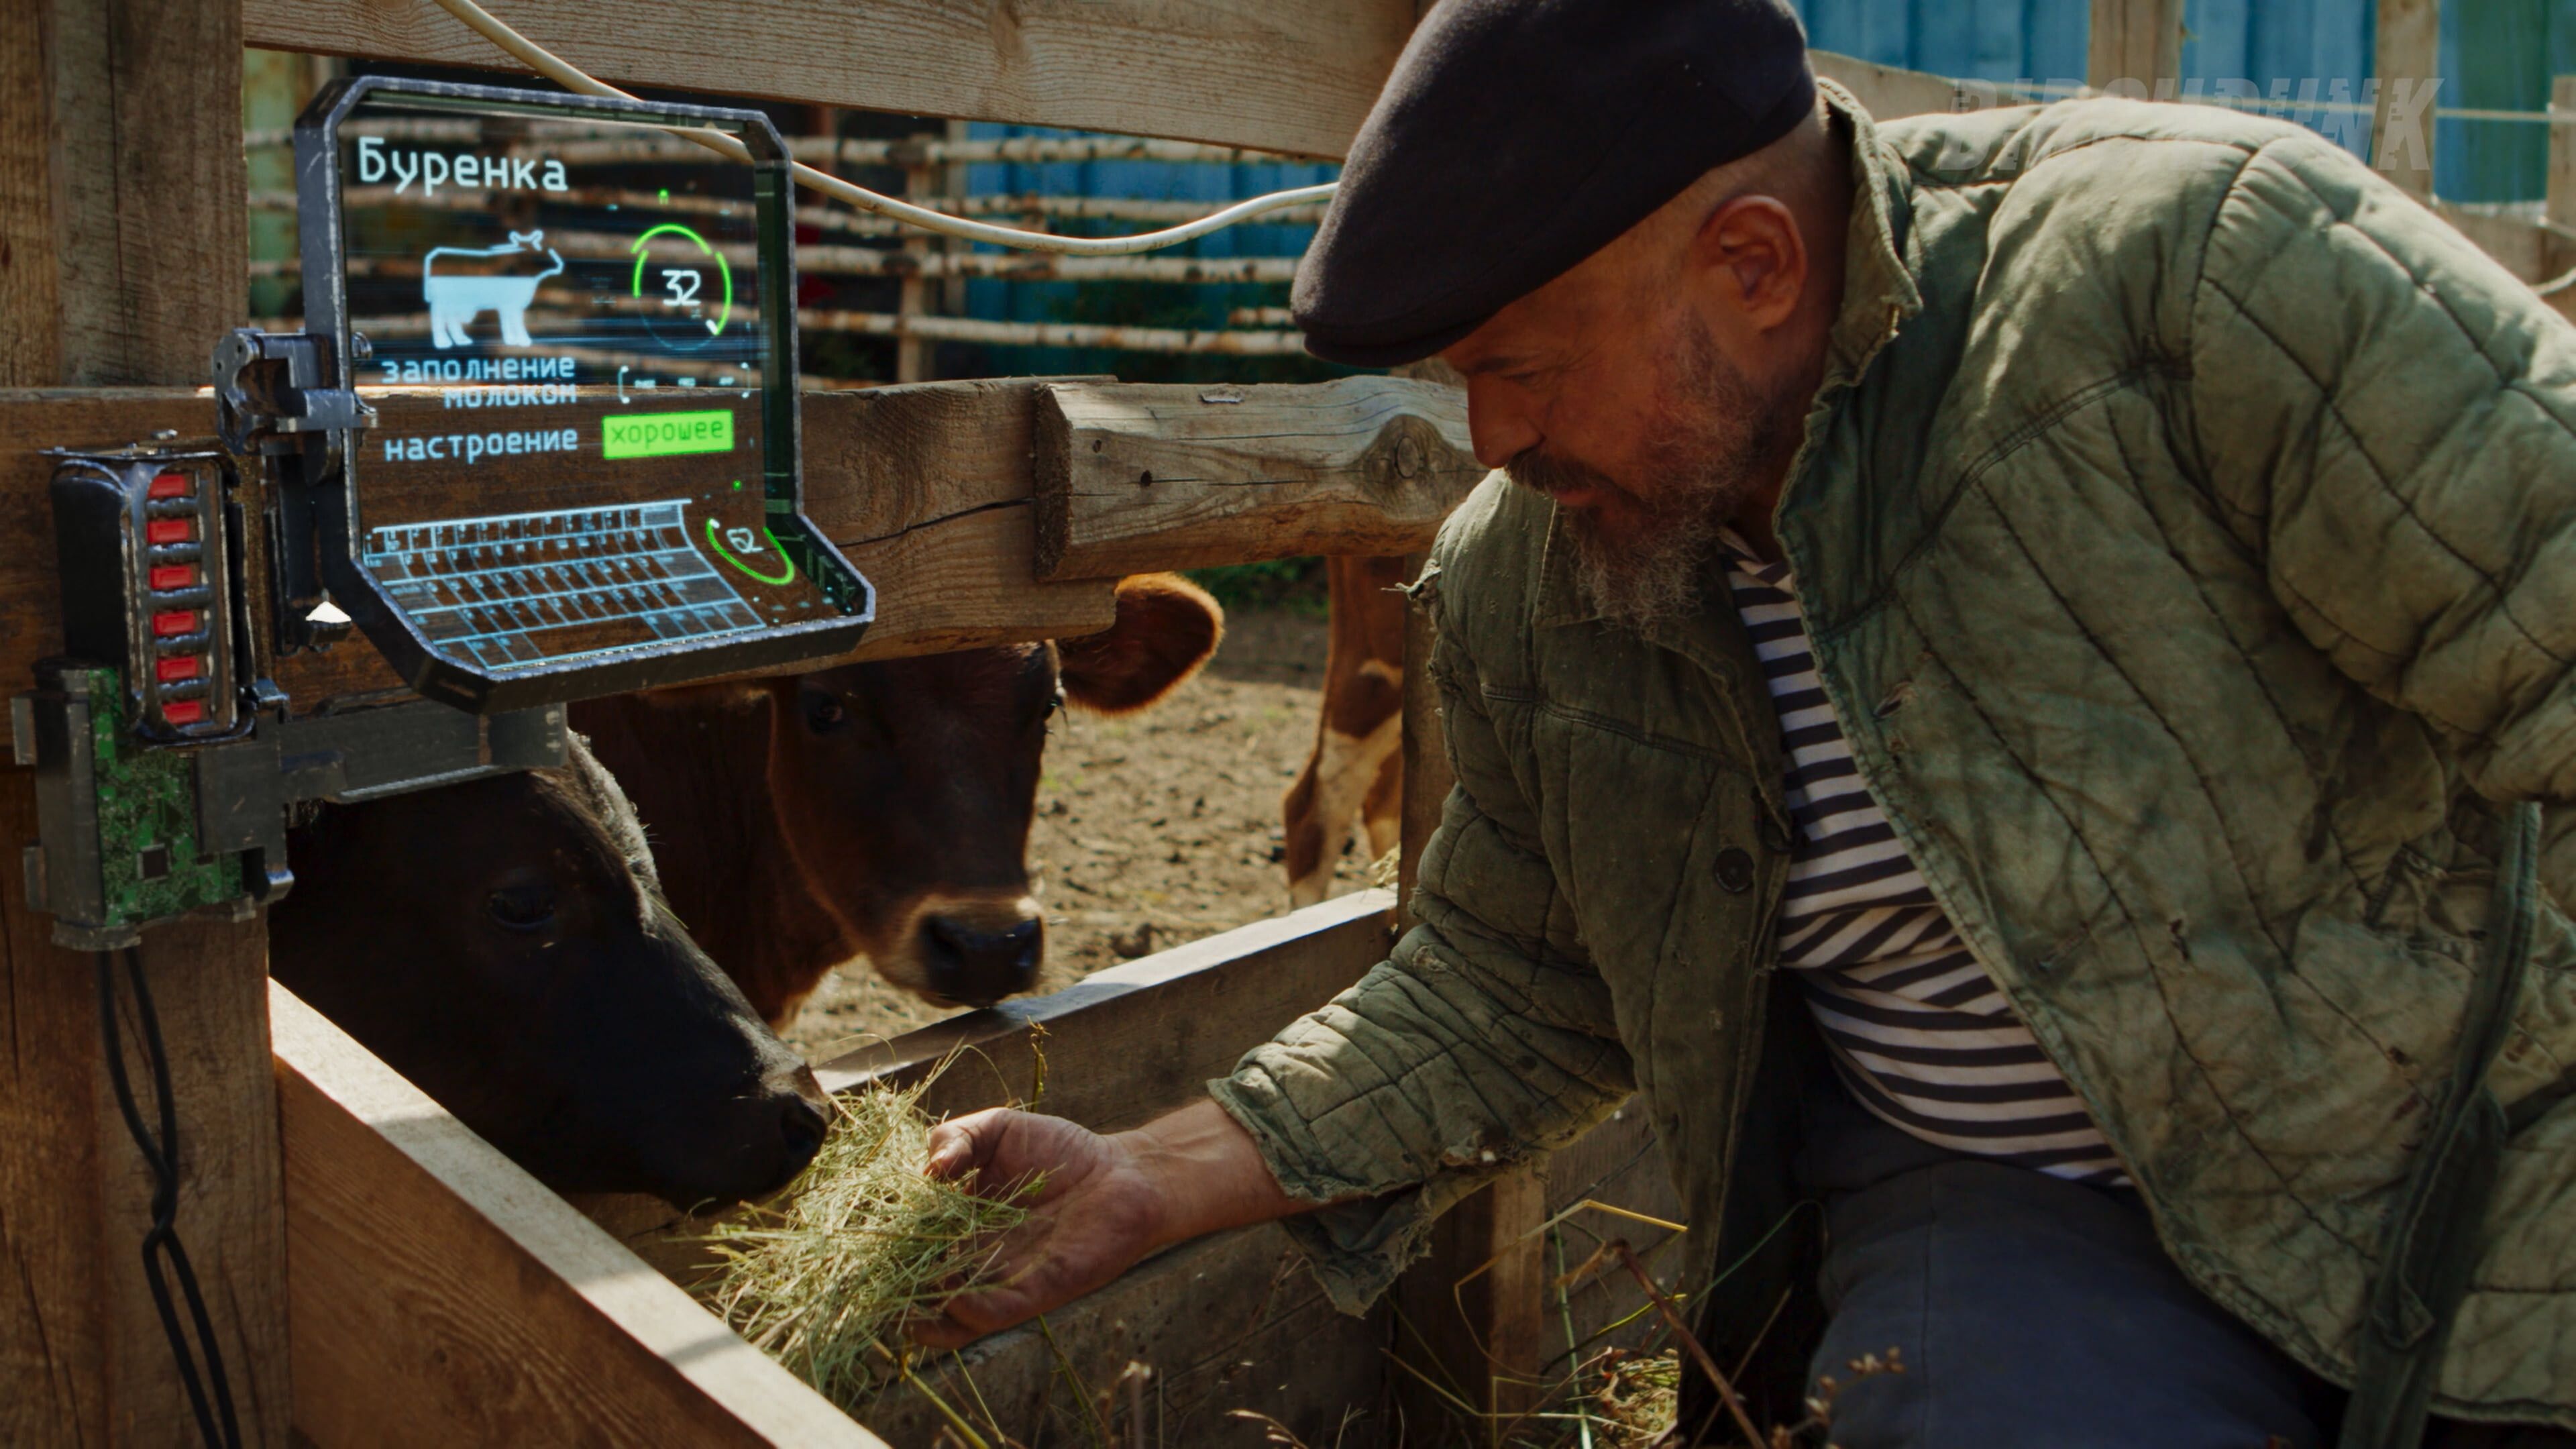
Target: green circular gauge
[681, 286]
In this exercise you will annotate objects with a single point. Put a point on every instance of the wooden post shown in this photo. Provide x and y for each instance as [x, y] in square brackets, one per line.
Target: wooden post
[2409, 69]
[952, 182]
[2136, 47]
[1472, 1315]
[2561, 207]
[123, 257]
[1424, 751]
[911, 350]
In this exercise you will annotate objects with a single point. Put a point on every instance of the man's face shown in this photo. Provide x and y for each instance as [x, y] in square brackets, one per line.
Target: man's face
[1619, 400]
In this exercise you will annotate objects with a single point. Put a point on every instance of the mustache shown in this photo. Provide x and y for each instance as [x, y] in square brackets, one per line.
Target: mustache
[1551, 475]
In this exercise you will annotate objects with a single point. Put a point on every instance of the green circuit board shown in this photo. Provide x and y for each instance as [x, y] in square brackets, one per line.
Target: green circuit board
[149, 863]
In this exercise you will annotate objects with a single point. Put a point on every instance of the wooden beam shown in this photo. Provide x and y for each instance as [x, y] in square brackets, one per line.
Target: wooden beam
[443, 1296]
[927, 489]
[1424, 745]
[122, 253]
[1620, 1163]
[2408, 66]
[2560, 208]
[1473, 1313]
[1424, 739]
[1133, 477]
[1295, 78]
[1888, 92]
[2135, 47]
[123, 200]
[1134, 1041]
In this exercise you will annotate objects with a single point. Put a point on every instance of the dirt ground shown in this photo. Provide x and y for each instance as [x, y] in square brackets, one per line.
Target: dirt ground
[1151, 831]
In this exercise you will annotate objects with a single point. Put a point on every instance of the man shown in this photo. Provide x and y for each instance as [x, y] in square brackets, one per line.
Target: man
[1990, 688]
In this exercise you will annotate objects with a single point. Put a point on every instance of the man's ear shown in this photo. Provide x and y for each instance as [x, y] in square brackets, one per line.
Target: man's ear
[1753, 249]
[1167, 627]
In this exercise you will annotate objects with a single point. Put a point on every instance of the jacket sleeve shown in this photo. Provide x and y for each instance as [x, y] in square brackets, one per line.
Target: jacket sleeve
[2385, 414]
[1486, 1038]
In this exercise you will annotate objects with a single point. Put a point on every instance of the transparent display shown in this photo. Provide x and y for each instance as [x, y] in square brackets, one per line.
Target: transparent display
[564, 339]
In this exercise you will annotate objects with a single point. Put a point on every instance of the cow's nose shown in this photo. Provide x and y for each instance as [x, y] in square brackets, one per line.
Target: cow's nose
[976, 967]
[801, 1124]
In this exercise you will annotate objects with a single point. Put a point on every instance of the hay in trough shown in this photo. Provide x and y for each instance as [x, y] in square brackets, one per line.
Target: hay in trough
[824, 1279]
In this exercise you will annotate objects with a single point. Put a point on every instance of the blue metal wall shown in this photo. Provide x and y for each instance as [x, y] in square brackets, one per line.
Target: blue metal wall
[2500, 54]
[1151, 180]
[2495, 54]
[1997, 40]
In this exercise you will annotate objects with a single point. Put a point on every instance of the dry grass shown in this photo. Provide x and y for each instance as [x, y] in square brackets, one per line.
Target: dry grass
[1637, 1400]
[861, 1242]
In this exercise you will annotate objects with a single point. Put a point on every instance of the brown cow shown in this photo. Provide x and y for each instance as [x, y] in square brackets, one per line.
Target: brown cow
[1353, 783]
[503, 945]
[880, 810]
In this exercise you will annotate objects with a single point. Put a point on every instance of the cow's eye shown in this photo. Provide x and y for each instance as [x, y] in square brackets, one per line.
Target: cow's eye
[529, 907]
[824, 713]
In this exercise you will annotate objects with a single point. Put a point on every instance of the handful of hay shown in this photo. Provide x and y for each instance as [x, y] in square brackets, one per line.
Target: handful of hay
[823, 1281]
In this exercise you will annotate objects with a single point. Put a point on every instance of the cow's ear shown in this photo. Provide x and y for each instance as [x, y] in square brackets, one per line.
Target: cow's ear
[1167, 627]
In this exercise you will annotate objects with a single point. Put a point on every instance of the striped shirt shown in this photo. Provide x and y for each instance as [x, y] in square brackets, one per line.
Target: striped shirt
[1918, 1031]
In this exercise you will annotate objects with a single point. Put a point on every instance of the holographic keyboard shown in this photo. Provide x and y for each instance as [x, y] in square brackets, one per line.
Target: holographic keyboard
[520, 589]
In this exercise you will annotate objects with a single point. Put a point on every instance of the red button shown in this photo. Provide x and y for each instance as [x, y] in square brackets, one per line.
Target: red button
[184, 711]
[171, 485]
[176, 621]
[173, 576]
[176, 668]
[169, 530]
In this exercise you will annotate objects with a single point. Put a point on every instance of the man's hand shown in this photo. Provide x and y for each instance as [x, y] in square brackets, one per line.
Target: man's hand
[1106, 1202]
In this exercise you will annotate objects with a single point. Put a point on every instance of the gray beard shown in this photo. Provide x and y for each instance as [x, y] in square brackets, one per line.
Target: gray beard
[1716, 435]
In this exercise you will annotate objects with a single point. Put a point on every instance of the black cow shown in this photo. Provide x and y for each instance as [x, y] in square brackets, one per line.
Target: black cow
[504, 945]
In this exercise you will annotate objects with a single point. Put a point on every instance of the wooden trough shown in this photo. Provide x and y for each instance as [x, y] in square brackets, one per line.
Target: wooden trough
[378, 1274]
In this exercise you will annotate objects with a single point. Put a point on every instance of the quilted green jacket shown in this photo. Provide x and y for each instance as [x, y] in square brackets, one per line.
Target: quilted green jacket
[2187, 534]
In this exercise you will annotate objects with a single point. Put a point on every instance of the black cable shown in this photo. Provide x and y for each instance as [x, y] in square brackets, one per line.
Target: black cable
[161, 1248]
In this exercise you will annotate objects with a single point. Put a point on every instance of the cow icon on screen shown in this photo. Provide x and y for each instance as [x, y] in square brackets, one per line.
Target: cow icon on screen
[474, 280]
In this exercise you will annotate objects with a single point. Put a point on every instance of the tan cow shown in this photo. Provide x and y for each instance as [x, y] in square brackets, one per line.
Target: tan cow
[880, 810]
[1353, 783]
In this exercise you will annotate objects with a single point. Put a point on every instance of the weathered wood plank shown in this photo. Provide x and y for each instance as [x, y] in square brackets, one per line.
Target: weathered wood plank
[2134, 45]
[1232, 1321]
[1424, 739]
[1122, 1045]
[123, 202]
[1888, 92]
[53, 1263]
[1295, 78]
[1137, 1040]
[927, 489]
[122, 247]
[2560, 207]
[1474, 1310]
[1619, 1163]
[1423, 746]
[1132, 477]
[1473, 1314]
[1229, 1322]
[443, 1296]
[2408, 65]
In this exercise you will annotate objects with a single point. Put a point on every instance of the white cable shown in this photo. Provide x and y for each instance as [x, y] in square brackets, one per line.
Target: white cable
[562, 73]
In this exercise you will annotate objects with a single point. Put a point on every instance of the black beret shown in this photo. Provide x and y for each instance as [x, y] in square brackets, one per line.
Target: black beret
[1517, 137]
